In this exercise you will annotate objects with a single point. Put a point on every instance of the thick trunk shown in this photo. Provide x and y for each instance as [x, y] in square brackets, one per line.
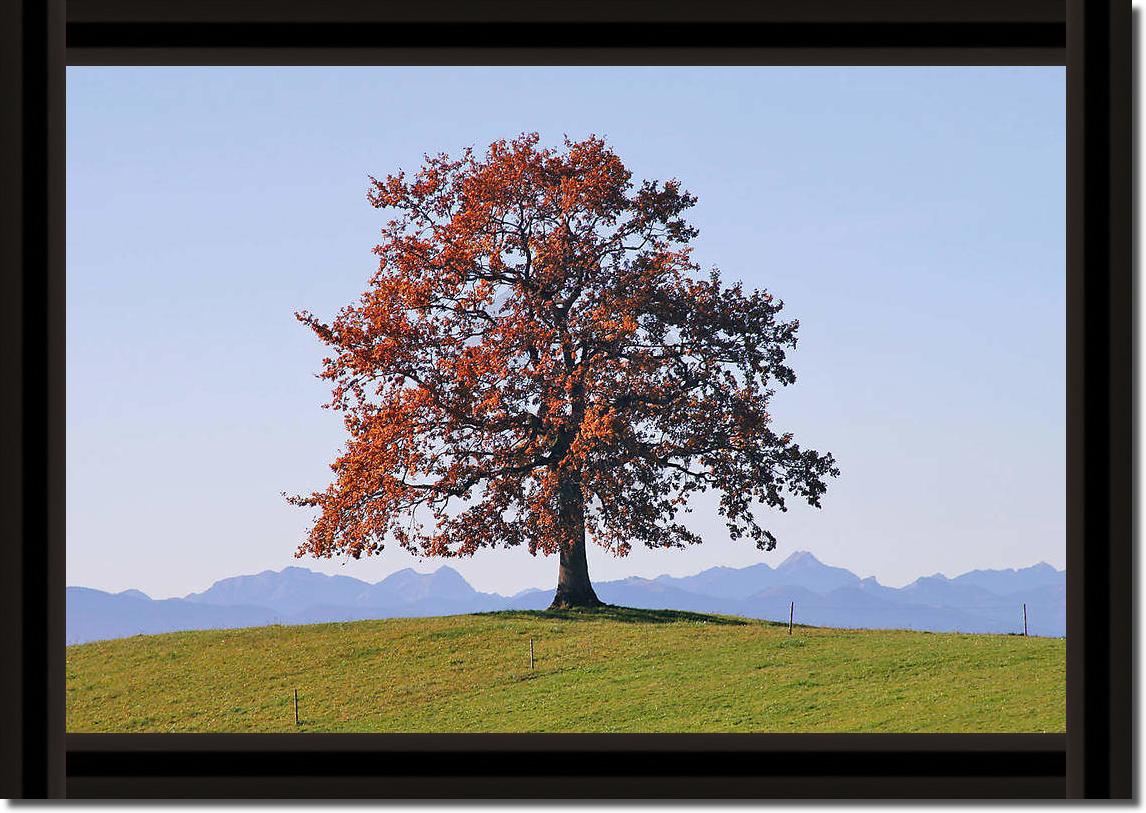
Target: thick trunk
[573, 586]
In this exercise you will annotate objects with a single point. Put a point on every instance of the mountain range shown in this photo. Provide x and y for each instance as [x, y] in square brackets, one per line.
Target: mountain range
[978, 601]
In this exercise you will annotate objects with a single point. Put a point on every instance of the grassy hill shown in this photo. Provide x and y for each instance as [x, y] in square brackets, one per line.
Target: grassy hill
[610, 670]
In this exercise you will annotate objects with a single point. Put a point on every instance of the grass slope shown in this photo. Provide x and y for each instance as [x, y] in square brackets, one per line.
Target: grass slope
[610, 670]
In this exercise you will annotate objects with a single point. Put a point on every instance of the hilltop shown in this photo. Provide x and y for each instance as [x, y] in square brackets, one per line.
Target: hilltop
[986, 601]
[610, 670]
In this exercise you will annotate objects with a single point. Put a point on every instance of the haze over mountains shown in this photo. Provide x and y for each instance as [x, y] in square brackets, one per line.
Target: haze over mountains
[978, 601]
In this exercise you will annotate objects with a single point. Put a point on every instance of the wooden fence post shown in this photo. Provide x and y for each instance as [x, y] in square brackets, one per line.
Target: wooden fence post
[1024, 618]
[530, 653]
[791, 615]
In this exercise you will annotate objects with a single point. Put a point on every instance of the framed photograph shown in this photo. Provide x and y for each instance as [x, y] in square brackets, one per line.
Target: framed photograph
[530, 401]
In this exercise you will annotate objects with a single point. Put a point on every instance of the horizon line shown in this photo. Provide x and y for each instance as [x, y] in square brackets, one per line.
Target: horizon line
[446, 566]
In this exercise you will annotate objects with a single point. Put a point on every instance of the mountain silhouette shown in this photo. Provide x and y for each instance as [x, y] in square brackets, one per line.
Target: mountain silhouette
[978, 601]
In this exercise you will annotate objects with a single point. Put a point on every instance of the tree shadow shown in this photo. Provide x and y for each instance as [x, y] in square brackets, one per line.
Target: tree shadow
[627, 615]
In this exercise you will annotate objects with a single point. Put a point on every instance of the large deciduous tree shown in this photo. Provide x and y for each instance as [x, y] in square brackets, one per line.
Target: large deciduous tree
[538, 361]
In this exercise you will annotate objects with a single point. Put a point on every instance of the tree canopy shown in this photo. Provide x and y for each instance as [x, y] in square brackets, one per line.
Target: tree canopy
[539, 361]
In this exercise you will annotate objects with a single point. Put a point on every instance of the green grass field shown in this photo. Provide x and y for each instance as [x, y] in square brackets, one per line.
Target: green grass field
[610, 670]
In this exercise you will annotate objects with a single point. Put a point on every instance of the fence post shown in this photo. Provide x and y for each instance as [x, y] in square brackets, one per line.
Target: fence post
[1024, 618]
[791, 615]
[530, 653]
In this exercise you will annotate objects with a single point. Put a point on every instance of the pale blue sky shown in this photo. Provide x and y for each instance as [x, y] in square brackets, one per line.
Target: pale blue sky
[911, 218]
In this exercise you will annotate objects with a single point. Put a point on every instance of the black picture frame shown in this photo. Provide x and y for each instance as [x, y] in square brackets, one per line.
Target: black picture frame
[1091, 37]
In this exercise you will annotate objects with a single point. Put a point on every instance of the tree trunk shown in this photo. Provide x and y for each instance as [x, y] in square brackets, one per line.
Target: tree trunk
[573, 586]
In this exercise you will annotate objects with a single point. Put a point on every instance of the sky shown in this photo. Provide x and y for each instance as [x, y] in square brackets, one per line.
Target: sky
[911, 218]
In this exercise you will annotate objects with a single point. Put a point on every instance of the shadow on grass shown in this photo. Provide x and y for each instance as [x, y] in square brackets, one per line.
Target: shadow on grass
[628, 615]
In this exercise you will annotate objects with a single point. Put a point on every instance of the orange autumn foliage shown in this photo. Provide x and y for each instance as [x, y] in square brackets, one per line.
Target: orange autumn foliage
[538, 361]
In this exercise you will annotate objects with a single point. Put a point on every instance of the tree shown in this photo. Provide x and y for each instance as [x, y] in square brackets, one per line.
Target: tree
[538, 361]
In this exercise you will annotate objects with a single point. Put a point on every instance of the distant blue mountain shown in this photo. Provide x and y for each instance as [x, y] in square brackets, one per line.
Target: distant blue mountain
[284, 591]
[805, 570]
[937, 591]
[979, 601]
[1012, 581]
[724, 582]
[93, 615]
[801, 569]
